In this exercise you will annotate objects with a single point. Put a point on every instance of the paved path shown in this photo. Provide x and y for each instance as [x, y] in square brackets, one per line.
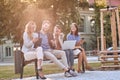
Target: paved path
[91, 59]
[88, 75]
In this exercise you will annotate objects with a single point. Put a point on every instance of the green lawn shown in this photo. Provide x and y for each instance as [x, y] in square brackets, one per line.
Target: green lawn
[8, 72]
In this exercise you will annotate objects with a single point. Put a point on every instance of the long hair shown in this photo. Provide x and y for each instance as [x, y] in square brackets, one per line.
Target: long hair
[59, 27]
[76, 32]
[28, 28]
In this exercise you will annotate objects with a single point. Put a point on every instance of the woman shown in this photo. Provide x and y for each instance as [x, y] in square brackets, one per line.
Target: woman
[59, 36]
[48, 45]
[73, 35]
[29, 38]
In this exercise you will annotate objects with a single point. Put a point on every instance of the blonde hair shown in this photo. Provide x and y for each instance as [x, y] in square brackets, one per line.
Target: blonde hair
[46, 21]
[28, 28]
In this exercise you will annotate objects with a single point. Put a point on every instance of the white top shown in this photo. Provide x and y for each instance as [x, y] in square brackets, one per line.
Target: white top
[27, 43]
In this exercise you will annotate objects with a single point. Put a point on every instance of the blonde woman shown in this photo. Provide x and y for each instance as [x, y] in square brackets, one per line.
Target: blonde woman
[29, 38]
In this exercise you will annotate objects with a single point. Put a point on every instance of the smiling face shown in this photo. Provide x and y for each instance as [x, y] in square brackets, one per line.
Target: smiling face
[73, 28]
[30, 27]
[46, 25]
[57, 30]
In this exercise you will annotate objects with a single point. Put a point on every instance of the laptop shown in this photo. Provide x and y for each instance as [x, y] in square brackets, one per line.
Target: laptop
[68, 44]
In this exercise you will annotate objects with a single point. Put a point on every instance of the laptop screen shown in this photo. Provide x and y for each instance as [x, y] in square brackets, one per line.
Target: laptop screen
[69, 44]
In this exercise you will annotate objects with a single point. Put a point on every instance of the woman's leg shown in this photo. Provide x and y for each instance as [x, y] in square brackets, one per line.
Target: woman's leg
[50, 56]
[78, 53]
[71, 59]
[39, 55]
[85, 60]
[67, 56]
[80, 58]
[61, 54]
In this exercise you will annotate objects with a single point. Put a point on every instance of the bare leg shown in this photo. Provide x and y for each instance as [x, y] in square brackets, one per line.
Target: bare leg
[79, 62]
[85, 60]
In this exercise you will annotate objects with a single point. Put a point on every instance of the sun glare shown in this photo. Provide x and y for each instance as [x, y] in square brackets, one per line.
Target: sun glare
[28, 1]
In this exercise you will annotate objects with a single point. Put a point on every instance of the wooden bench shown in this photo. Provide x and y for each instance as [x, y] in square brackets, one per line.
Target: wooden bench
[24, 63]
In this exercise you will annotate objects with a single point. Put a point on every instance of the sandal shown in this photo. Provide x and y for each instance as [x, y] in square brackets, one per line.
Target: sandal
[80, 71]
[41, 74]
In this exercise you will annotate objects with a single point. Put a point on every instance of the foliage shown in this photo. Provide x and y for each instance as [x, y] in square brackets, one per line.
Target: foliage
[106, 24]
[11, 14]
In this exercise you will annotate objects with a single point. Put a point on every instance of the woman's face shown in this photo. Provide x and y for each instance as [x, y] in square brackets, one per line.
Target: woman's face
[73, 28]
[57, 30]
[46, 26]
[32, 27]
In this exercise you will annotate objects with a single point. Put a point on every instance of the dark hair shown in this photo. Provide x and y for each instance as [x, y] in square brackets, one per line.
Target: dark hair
[59, 27]
[76, 32]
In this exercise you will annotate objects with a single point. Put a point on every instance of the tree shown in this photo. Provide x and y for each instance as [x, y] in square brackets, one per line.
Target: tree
[11, 13]
[106, 19]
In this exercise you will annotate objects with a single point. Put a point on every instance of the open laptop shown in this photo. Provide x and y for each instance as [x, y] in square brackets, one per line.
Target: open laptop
[68, 44]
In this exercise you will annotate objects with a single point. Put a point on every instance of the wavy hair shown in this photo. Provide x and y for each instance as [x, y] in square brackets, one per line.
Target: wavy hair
[28, 28]
[76, 32]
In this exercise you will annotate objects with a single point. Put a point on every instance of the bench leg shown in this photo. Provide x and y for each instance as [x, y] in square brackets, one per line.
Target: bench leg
[21, 72]
[37, 76]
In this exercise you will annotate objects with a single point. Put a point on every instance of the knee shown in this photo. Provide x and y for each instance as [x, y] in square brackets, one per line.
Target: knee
[39, 49]
[63, 53]
[51, 56]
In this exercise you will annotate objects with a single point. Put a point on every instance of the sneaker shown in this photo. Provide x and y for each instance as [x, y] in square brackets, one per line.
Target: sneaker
[67, 74]
[73, 73]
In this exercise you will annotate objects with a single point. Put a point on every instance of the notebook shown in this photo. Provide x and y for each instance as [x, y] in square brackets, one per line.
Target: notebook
[68, 44]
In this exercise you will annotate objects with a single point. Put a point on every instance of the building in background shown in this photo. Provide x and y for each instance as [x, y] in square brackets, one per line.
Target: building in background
[86, 30]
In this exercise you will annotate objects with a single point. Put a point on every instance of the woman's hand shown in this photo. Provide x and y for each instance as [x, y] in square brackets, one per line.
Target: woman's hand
[34, 40]
[53, 42]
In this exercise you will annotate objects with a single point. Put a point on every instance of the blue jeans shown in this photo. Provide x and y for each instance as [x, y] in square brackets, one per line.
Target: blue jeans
[70, 57]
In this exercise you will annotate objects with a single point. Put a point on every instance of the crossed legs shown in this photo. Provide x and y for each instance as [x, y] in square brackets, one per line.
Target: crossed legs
[82, 57]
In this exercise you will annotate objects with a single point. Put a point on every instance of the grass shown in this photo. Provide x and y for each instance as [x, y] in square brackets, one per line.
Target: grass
[8, 72]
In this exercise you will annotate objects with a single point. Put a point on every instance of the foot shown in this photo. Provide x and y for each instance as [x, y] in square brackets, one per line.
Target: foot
[41, 75]
[80, 71]
[89, 68]
[67, 74]
[73, 73]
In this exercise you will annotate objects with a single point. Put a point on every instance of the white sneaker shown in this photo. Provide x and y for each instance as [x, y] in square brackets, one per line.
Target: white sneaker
[67, 74]
[73, 73]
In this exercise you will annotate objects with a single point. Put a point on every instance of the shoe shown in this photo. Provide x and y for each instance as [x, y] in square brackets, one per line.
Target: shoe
[90, 68]
[79, 71]
[67, 74]
[40, 72]
[42, 77]
[73, 73]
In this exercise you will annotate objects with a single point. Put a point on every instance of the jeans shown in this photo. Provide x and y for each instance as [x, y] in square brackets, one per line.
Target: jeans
[70, 57]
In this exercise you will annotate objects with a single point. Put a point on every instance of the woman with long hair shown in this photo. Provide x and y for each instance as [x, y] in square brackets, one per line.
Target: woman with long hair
[29, 39]
[73, 35]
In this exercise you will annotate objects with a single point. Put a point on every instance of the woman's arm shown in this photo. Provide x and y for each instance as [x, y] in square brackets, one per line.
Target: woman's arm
[27, 42]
